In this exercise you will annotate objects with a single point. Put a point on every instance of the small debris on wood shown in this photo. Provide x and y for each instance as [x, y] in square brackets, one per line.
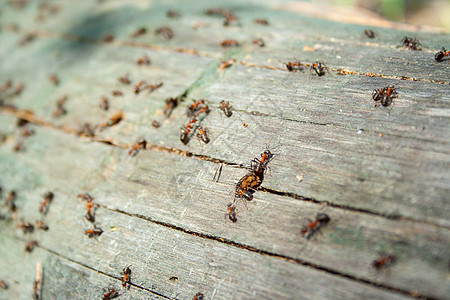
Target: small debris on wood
[54, 79]
[60, 109]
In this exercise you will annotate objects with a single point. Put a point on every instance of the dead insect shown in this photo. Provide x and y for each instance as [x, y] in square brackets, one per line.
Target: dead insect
[41, 225]
[114, 120]
[261, 22]
[294, 66]
[124, 79]
[171, 103]
[144, 60]
[369, 33]
[226, 64]
[117, 93]
[30, 246]
[247, 186]
[441, 54]
[226, 108]
[231, 213]
[95, 232]
[229, 43]
[3, 285]
[202, 134]
[126, 279]
[319, 68]
[26, 227]
[54, 79]
[173, 14]
[156, 124]
[410, 43]
[259, 42]
[384, 262]
[109, 38]
[137, 147]
[104, 104]
[111, 293]
[314, 226]
[165, 31]
[139, 32]
[60, 109]
[48, 198]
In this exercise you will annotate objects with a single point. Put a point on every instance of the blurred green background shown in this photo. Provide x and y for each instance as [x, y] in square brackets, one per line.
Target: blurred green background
[418, 12]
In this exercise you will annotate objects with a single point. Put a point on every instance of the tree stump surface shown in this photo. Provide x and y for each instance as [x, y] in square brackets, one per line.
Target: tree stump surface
[380, 173]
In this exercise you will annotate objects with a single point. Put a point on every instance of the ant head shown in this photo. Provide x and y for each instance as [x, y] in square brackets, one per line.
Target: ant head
[323, 218]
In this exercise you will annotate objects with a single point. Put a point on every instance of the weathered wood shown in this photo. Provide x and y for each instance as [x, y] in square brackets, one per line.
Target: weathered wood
[381, 174]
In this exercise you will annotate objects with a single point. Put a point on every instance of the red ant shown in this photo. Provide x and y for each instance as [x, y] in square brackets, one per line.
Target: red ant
[229, 43]
[196, 107]
[441, 54]
[173, 14]
[261, 22]
[185, 131]
[171, 103]
[369, 33]
[112, 121]
[48, 197]
[226, 108]
[412, 44]
[137, 147]
[139, 32]
[117, 93]
[126, 277]
[319, 68]
[314, 226]
[26, 227]
[111, 293]
[104, 104]
[152, 87]
[165, 31]
[11, 201]
[137, 87]
[41, 225]
[3, 285]
[259, 42]
[203, 135]
[259, 166]
[231, 213]
[30, 246]
[144, 60]
[198, 296]
[90, 206]
[384, 262]
[384, 95]
[226, 64]
[95, 232]
[378, 94]
[294, 66]
[124, 79]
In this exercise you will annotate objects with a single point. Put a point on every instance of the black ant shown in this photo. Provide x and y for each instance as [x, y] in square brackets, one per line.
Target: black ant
[441, 54]
[226, 108]
[319, 68]
[411, 43]
[321, 220]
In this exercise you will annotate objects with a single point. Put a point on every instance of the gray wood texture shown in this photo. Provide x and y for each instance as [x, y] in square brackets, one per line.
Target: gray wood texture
[380, 174]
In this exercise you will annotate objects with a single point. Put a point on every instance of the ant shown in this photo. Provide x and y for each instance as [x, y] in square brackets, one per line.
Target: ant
[113, 120]
[384, 262]
[90, 206]
[378, 94]
[48, 197]
[41, 225]
[173, 14]
[11, 201]
[54, 79]
[60, 110]
[156, 124]
[384, 95]
[441, 54]
[95, 232]
[165, 31]
[259, 42]
[321, 220]
[30, 246]
[26, 227]
[247, 185]
[109, 38]
[412, 44]
[195, 107]
[185, 131]
[125, 79]
[229, 43]
[231, 213]
[226, 64]
[86, 130]
[261, 22]
[144, 60]
[137, 87]
[259, 166]
[198, 296]
[369, 33]
[171, 103]
[294, 66]
[117, 93]
[136, 147]
[27, 132]
[104, 104]
[111, 293]
[126, 277]
[152, 87]
[3, 285]
[139, 32]
[203, 135]
[319, 68]
[226, 108]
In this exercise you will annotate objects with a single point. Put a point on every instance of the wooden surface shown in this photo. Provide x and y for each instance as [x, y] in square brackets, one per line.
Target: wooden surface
[381, 174]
